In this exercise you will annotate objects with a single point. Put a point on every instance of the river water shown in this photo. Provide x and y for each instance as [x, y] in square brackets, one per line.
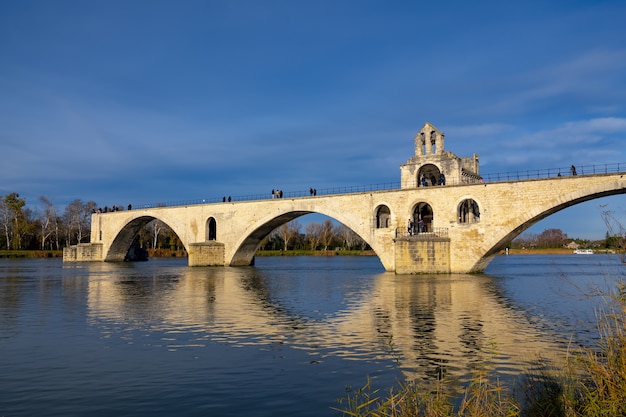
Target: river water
[288, 336]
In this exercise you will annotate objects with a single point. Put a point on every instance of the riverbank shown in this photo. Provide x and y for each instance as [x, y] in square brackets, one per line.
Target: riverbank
[549, 251]
[315, 253]
[167, 253]
[31, 254]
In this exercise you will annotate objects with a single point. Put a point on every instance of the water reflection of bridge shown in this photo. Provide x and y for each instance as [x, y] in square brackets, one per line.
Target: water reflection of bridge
[432, 325]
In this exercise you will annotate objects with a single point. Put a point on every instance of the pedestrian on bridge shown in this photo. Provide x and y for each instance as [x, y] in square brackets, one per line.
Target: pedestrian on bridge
[573, 169]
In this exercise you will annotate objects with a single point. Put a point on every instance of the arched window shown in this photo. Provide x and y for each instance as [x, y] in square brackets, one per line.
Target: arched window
[211, 229]
[383, 217]
[429, 175]
[468, 211]
[433, 142]
[423, 217]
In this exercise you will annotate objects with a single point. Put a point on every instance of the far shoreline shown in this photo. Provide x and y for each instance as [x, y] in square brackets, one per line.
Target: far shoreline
[166, 253]
[549, 251]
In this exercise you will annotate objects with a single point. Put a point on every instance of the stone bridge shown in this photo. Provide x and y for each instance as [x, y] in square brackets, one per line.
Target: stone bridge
[464, 222]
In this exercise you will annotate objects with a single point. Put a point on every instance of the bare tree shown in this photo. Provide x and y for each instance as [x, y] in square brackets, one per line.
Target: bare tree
[289, 231]
[5, 218]
[48, 221]
[616, 232]
[525, 240]
[328, 233]
[77, 215]
[349, 237]
[155, 228]
[551, 238]
[313, 234]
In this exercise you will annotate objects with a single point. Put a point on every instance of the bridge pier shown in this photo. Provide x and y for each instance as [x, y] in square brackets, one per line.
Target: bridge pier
[83, 252]
[209, 253]
[422, 255]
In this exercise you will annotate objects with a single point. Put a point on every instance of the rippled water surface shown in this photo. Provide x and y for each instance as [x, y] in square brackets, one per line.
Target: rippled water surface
[285, 337]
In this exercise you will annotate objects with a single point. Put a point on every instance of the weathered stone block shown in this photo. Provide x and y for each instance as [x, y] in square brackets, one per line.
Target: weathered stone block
[422, 256]
[83, 252]
[210, 253]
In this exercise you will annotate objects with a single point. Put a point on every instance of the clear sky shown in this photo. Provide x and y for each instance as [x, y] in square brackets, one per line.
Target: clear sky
[149, 101]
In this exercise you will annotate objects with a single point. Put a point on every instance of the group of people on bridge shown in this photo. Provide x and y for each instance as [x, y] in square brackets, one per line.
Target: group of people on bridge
[433, 180]
[415, 228]
[111, 209]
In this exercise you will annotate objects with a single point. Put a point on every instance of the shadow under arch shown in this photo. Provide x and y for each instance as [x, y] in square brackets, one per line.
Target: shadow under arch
[244, 255]
[126, 236]
[502, 241]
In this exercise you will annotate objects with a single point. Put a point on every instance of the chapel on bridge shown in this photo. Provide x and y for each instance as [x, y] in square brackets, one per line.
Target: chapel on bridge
[432, 166]
[431, 160]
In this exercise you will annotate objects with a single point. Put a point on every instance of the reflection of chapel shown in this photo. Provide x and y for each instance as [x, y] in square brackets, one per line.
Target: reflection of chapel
[431, 160]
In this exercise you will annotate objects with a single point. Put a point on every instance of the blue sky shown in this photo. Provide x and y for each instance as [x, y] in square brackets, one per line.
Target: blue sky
[160, 101]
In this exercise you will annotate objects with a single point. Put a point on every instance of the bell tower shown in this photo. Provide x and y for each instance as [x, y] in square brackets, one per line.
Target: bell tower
[432, 165]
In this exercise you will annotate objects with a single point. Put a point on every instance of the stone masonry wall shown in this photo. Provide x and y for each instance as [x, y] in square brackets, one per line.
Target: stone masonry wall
[209, 253]
[418, 256]
[83, 252]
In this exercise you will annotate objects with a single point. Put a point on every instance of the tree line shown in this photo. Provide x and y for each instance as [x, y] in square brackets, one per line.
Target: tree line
[46, 228]
[289, 236]
[43, 227]
[315, 236]
[555, 238]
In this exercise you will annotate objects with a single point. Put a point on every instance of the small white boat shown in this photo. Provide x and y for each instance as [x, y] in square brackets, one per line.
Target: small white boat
[583, 252]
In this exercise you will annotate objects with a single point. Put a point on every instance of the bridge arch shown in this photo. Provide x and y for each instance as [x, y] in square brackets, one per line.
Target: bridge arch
[252, 237]
[533, 215]
[128, 230]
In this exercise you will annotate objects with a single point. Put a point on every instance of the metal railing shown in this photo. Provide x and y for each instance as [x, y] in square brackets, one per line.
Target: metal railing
[581, 170]
[433, 232]
[556, 172]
